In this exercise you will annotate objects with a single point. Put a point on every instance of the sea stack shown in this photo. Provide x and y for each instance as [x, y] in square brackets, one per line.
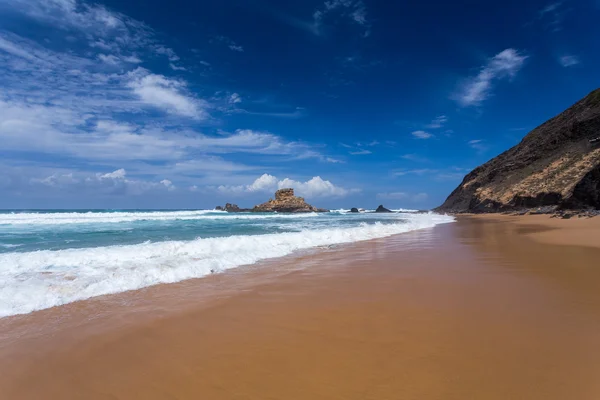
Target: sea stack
[286, 201]
[556, 166]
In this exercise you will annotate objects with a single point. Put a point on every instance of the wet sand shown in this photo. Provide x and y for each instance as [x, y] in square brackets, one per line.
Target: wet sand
[483, 308]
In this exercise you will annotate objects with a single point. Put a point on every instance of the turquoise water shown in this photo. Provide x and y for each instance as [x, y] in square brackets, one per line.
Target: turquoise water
[53, 257]
[26, 230]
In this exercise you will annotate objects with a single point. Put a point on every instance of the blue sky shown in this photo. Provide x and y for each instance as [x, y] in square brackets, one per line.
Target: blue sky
[188, 104]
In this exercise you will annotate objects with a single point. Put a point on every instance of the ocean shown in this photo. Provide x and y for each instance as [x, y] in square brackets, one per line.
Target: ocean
[53, 257]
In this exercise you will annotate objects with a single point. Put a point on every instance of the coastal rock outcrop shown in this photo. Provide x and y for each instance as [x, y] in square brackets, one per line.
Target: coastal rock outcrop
[382, 209]
[354, 210]
[232, 207]
[557, 165]
[286, 201]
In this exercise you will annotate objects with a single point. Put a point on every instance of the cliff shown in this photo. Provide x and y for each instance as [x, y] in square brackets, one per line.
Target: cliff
[556, 165]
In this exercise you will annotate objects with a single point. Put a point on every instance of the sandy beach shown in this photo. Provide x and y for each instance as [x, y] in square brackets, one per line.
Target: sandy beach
[489, 307]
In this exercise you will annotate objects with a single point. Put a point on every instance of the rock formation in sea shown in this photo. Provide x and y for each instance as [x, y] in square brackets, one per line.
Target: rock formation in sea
[382, 209]
[285, 201]
[354, 210]
[234, 208]
[556, 166]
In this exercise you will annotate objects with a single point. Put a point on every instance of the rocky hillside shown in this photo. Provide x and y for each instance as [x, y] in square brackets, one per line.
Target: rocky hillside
[557, 164]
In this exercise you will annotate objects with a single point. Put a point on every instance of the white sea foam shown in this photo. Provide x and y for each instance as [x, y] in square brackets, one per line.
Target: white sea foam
[118, 217]
[41, 279]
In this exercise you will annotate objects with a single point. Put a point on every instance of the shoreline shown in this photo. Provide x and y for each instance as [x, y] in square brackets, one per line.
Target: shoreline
[554, 231]
[479, 306]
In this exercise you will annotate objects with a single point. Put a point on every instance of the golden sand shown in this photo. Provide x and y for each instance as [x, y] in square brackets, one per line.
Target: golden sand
[480, 309]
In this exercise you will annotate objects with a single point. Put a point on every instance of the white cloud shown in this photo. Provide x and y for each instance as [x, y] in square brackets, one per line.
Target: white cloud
[168, 184]
[235, 98]
[265, 183]
[315, 187]
[568, 60]
[504, 65]
[422, 135]
[437, 122]
[166, 93]
[236, 47]
[118, 174]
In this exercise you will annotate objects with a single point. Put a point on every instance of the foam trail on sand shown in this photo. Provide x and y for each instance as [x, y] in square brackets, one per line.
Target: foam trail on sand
[45, 278]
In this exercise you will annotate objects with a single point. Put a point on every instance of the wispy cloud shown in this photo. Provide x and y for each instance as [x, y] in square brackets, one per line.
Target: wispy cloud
[475, 90]
[91, 104]
[167, 94]
[315, 187]
[421, 171]
[353, 10]
[415, 158]
[568, 60]
[227, 42]
[438, 122]
[358, 149]
[447, 174]
[553, 14]
[478, 145]
[114, 33]
[235, 98]
[421, 135]
[361, 152]
[111, 183]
